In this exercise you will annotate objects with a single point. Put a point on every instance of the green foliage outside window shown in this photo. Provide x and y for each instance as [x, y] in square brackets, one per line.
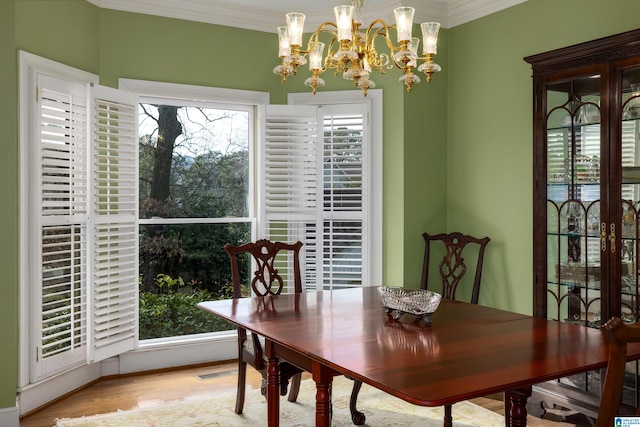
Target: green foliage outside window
[173, 310]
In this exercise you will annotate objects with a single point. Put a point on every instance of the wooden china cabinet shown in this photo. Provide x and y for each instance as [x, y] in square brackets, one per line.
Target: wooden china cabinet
[586, 208]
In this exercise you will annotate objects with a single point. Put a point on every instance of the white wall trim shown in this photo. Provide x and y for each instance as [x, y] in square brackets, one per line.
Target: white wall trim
[193, 352]
[253, 15]
[217, 347]
[463, 11]
[9, 417]
[33, 396]
[193, 92]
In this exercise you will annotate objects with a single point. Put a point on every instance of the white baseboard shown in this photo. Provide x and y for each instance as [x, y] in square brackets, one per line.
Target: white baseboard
[34, 396]
[148, 357]
[177, 354]
[9, 417]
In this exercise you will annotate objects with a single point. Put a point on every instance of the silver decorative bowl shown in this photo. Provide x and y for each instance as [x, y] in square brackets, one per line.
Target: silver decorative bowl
[419, 302]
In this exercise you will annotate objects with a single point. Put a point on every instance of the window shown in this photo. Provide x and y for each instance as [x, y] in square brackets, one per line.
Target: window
[91, 215]
[194, 197]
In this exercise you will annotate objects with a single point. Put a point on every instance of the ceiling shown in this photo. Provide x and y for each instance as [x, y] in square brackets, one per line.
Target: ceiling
[266, 15]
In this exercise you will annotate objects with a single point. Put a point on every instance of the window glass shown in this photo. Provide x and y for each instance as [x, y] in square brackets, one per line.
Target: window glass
[194, 198]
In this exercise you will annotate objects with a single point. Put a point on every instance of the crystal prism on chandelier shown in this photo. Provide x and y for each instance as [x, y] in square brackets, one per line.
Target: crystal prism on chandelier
[351, 50]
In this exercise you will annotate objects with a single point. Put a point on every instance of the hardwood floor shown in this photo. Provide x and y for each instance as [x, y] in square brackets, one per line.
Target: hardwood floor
[200, 382]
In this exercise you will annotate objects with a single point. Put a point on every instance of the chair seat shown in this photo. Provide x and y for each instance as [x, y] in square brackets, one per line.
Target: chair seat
[248, 344]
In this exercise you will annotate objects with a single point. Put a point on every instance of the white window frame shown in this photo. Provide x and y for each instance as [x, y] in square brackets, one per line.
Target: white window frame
[173, 351]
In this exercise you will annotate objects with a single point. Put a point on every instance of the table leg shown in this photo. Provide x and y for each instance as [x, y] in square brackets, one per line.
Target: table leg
[323, 378]
[515, 405]
[273, 386]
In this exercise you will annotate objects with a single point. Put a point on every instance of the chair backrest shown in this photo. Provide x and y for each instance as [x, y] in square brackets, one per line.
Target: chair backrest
[267, 279]
[619, 334]
[452, 266]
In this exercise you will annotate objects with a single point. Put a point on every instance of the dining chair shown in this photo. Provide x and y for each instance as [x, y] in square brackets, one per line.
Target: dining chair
[620, 334]
[270, 259]
[451, 268]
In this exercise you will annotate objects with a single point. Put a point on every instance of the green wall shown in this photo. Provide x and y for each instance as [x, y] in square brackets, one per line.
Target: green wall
[457, 152]
[489, 137]
[9, 208]
[62, 30]
[162, 49]
[425, 165]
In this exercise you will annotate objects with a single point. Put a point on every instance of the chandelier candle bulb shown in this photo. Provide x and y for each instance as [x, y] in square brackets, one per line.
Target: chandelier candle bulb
[344, 17]
[413, 47]
[315, 57]
[404, 22]
[430, 37]
[295, 26]
[357, 12]
[284, 44]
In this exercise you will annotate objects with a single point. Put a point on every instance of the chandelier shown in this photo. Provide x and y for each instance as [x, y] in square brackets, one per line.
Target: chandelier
[352, 50]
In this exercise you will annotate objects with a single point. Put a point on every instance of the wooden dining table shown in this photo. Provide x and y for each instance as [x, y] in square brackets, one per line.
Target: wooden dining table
[467, 351]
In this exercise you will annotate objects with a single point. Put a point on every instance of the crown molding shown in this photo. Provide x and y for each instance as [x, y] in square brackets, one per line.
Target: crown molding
[462, 11]
[248, 15]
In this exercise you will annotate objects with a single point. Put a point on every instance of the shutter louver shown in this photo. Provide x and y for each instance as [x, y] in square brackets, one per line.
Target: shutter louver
[115, 203]
[344, 260]
[290, 183]
[299, 164]
[290, 164]
[62, 333]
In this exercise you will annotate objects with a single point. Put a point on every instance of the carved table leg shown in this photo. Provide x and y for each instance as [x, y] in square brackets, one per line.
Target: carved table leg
[515, 405]
[273, 387]
[448, 418]
[323, 378]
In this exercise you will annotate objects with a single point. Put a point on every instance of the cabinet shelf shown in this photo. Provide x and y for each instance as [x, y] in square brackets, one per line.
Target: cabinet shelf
[575, 126]
[574, 183]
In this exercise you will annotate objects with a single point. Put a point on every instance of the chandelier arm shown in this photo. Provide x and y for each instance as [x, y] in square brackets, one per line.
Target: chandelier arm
[383, 60]
[315, 37]
[372, 33]
[329, 63]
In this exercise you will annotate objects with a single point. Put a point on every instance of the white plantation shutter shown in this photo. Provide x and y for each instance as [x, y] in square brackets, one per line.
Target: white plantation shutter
[114, 154]
[344, 260]
[61, 333]
[85, 239]
[289, 160]
[316, 190]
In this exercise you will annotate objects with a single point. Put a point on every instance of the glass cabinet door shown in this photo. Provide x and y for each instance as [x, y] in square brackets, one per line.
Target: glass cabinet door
[629, 106]
[574, 152]
[586, 201]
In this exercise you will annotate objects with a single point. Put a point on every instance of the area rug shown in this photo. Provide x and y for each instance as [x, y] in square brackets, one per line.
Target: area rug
[380, 409]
